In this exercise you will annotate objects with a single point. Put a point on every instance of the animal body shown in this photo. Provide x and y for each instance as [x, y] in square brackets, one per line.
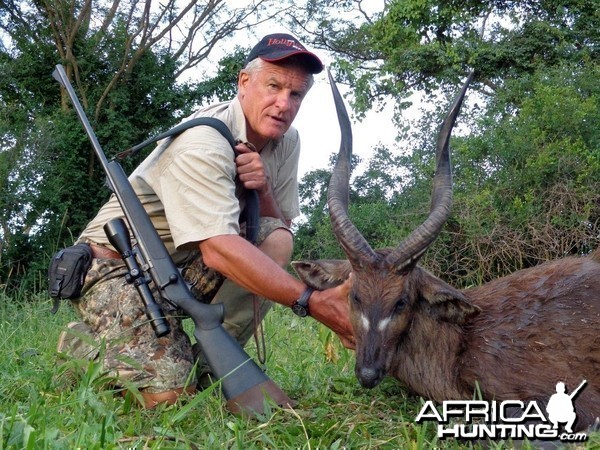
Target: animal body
[513, 338]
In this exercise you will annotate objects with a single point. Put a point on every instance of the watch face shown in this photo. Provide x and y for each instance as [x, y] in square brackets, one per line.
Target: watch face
[299, 310]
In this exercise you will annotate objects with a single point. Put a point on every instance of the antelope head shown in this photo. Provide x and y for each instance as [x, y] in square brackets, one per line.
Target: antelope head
[388, 288]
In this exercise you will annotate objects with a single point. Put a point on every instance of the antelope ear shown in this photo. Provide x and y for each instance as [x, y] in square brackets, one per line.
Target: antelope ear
[444, 302]
[322, 273]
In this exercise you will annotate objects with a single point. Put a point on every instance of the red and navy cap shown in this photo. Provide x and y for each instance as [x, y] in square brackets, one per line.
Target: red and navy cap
[277, 47]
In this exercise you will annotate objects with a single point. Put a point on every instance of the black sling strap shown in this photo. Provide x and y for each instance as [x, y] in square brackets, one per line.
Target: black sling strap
[177, 130]
[251, 211]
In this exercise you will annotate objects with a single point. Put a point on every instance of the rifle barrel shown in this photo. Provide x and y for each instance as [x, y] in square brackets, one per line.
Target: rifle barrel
[577, 389]
[60, 75]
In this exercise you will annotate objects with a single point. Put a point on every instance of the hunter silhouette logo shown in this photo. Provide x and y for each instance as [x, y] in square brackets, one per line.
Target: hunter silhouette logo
[508, 419]
[560, 406]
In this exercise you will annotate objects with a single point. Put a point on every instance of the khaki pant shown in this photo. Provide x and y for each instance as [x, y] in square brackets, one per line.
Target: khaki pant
[240, 312]
[113, 313]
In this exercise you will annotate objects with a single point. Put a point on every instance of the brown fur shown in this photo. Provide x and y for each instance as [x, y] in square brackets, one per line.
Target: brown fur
[514, 337]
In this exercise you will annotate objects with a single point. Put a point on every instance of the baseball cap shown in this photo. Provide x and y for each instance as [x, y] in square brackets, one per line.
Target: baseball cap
[279, 46]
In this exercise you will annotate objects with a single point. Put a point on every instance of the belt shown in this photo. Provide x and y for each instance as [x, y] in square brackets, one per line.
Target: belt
[99, 251]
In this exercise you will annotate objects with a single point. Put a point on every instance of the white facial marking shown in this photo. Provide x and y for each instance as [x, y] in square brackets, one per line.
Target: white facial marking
[384, 323]
[364, 322]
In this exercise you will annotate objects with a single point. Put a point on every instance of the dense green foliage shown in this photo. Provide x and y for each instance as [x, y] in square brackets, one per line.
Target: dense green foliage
[426, 44]
[124, 63]
[527, 171]
[531, 152]
[526, 188]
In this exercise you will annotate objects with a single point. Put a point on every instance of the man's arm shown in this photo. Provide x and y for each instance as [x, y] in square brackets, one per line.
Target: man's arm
[250, 268]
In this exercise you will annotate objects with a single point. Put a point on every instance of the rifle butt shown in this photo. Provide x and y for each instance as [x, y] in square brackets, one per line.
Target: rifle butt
[245, 386]
[252, 401]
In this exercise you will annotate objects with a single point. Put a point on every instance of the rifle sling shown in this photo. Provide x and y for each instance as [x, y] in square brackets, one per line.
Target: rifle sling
[251, 211]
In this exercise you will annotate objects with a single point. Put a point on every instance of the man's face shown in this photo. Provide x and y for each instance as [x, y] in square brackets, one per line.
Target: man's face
[271, 97]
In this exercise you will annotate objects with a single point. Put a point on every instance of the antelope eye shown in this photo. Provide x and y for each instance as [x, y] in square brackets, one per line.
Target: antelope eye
[401, 304]
[355, 299]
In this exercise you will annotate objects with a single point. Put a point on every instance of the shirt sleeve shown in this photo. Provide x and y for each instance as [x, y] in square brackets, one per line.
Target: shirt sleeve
[286, 181]
[197, 186]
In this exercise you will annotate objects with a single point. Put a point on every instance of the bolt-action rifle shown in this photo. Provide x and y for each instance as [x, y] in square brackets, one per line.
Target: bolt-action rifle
[244, 384]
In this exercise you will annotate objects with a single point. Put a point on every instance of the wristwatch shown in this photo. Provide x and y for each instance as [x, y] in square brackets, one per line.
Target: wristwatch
[300, 306]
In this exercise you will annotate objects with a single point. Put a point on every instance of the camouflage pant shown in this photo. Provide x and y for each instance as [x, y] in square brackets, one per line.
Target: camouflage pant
[113, 312]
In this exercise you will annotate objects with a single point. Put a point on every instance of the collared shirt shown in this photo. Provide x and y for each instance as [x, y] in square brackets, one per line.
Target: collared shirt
[189, 187]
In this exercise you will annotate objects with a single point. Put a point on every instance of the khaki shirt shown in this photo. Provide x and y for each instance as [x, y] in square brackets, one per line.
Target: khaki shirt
[189, 187]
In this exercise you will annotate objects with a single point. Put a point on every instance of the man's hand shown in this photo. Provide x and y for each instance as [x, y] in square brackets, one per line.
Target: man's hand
[330, 307]
[250, 168]
[254, 175]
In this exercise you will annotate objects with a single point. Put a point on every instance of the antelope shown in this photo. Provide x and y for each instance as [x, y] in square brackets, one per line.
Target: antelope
[511, 339]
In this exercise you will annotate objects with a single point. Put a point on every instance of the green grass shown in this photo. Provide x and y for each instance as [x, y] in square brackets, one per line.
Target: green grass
[40, 408]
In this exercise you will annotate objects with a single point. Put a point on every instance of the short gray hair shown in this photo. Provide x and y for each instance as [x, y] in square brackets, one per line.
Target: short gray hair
[257, 64]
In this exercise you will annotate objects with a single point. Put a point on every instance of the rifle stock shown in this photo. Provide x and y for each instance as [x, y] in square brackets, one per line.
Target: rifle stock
[244, 384]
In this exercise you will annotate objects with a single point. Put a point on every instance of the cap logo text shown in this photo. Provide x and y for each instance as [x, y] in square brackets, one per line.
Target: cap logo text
[285, 42]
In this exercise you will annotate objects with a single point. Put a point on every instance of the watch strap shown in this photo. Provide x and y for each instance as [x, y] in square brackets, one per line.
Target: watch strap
[300, 306]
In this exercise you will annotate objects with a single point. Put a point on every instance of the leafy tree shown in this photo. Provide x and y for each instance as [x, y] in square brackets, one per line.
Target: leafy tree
[223, 86]
[423, 45]
[124, 60]
[526, 183]
[526, 172]
[377, 206]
